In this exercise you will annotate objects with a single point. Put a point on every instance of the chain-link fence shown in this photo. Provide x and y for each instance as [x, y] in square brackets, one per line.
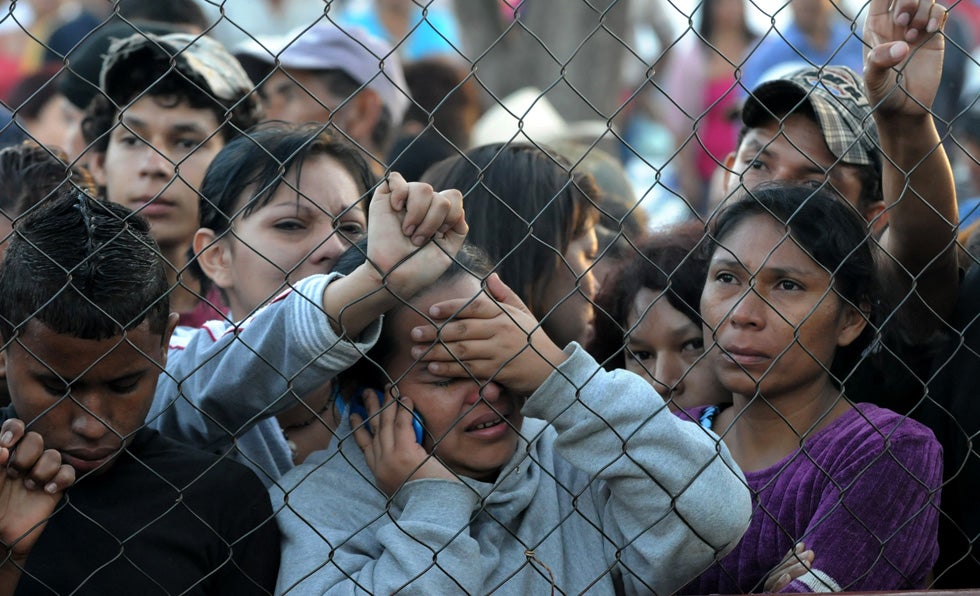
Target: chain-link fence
[611, 296]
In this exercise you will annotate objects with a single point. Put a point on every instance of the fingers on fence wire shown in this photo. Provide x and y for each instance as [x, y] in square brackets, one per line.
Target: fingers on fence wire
[31, 485]
[389, 442]
[890, 31]
[488, 338]
[404, 220]
[797, 562]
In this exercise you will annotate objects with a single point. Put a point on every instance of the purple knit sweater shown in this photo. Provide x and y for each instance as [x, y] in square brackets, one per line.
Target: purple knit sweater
[862, 493]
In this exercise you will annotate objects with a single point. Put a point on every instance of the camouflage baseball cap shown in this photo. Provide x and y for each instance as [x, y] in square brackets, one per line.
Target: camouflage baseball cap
[204, 62]
[836, 94]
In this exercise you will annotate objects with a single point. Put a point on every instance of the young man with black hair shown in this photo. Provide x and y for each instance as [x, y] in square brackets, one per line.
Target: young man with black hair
[169, 103]
[85, 324]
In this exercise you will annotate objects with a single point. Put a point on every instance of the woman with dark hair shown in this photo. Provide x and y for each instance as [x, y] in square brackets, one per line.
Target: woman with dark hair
[648, 321]
[278, 207]
[516, 481]
[850, 490]
[536, 219]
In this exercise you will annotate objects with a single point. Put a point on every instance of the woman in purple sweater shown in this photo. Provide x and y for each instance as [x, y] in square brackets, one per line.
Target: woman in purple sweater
[850, 491]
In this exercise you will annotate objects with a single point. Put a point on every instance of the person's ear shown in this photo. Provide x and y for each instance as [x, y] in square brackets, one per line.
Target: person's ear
[728, 172]
[96, 165]
[214, 257]
[168, 332]
[877, 216]
[364, 114]
[852, 322]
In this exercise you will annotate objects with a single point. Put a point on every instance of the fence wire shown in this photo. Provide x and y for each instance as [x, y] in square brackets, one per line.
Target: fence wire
[488, 296]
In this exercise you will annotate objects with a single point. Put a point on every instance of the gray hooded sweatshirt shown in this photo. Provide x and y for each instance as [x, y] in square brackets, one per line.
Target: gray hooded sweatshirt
[612, 488]
[225, 383]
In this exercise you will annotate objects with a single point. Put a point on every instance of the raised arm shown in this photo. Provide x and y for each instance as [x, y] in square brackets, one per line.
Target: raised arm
[903, 65]
[222, 379]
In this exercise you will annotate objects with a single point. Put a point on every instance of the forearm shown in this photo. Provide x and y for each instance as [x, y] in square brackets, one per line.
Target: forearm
[220, 382]
[920, 198]
[354, 302]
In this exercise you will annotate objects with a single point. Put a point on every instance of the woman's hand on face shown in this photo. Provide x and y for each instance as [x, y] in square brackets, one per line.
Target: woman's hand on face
[796, 563]
[389, 446]
[490, 337]
[413, 234]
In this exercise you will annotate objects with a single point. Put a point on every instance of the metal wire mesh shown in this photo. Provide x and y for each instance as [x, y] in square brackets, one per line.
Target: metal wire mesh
[809, 361]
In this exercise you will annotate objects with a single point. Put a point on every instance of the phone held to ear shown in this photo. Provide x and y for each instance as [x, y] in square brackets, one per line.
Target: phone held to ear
[356, 406]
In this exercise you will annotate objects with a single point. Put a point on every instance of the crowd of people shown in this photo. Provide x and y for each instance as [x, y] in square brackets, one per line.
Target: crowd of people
[274, 320]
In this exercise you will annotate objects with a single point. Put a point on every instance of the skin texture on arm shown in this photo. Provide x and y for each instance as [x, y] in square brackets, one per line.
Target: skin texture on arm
[901, 73]
[32, 480]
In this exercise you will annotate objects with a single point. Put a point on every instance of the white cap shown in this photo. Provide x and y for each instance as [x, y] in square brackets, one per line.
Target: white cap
[370, 61]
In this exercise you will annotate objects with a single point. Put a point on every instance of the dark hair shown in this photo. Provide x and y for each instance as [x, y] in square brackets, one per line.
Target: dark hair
[831, 233]
[524, 207]
[172, 12]
[671, 262]
[255, 164]
[469, 260]
[85, 268]
[31, 173]
[34, 91]
[168, 88]
[443, 93]
[706, 26]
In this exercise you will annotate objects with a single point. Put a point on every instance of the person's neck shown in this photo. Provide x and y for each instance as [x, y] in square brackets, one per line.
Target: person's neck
[762, 430]
[185, 290]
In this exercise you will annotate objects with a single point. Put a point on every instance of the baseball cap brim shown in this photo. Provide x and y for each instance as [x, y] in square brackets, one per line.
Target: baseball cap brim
[846, 125]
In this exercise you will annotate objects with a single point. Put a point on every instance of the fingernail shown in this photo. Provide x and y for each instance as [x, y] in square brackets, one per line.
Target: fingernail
[444, 228]
[410, 230]
[417, 352]
[5, 438]
[418, 240]
[417, 333]
[933, 25]
[51, 488]
[903, 19]
[434, 311]
[896, 51]
[29, 484]
[12, 472]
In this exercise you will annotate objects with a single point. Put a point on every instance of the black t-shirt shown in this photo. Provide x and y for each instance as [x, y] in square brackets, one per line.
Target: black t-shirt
[952, 410]
[165, 519]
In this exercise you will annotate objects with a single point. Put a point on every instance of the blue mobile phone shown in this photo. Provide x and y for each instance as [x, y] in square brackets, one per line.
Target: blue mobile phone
[356, 406]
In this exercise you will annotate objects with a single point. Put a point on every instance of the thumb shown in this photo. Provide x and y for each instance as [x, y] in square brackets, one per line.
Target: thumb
[883, 57]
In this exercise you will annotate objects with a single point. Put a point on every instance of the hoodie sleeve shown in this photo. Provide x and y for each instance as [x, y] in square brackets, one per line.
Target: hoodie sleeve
[221, 379]
[341, 535]
[670, 495]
